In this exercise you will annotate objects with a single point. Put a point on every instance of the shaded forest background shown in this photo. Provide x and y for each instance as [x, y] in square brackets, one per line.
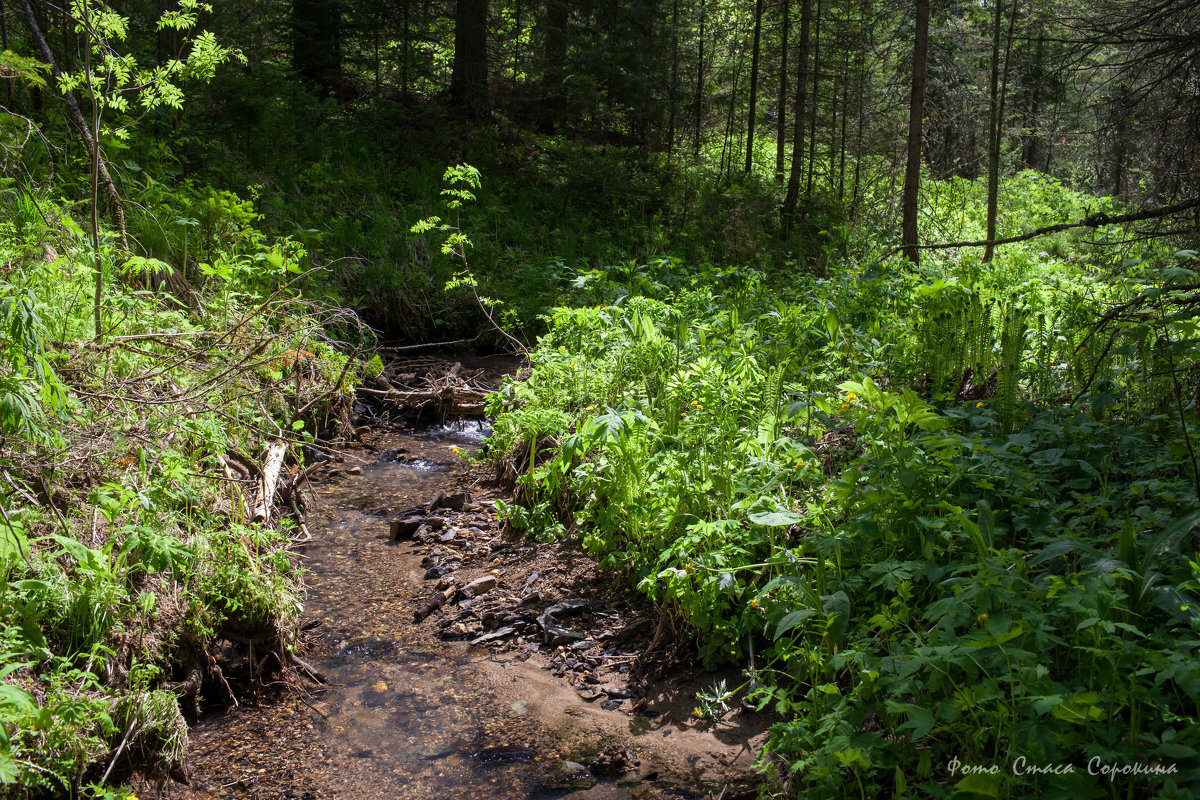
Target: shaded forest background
[749, 134]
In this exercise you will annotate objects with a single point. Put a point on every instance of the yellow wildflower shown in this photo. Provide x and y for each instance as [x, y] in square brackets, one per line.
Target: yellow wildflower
[979, 404]
[852, 396]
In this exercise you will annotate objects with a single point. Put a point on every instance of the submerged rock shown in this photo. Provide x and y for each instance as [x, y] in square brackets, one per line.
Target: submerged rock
[615, 760]
[504, 754]
[568, 775]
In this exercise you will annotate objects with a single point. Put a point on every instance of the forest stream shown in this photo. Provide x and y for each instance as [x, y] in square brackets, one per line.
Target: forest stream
[405, 713]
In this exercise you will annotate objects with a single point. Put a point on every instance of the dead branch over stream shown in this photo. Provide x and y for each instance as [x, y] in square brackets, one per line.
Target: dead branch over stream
[427, 387]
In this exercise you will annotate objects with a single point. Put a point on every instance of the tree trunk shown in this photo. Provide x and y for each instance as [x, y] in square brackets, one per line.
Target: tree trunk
[673, 93]
[8, 85]
[1121, 110]
[997, 130]
[469, 80]
[816, 98]
[727, 148]
[916, 111]
[858, 131]
[699, 121]
[781, 120]
[554, 56]
[753, 112]
[404, 37]
[842, 137]
[519, 34]
[1032, 144]
[993, 129]
[317, 42]
[792, 198]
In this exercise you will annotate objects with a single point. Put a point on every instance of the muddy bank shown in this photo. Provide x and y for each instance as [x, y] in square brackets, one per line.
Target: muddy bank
[416, 711]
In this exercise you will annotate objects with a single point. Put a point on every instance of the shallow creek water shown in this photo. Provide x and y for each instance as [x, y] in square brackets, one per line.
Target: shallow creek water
[405, 715]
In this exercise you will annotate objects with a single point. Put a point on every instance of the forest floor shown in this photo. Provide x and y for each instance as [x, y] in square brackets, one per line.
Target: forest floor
[458, 659]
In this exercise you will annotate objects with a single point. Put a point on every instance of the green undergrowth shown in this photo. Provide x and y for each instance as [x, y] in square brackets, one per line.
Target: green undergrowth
[939, 519]
[127, 551]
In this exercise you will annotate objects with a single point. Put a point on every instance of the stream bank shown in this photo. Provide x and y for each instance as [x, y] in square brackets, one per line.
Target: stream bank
[415, 710]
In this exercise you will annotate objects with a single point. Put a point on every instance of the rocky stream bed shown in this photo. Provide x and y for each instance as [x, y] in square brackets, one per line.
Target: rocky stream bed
[461, 663]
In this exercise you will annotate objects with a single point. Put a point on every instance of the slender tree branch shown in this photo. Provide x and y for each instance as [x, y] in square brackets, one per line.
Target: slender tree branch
[1097, 220]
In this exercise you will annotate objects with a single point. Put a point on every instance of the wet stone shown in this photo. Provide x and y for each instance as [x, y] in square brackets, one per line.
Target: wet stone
[614, 760]
[404, 528]
[453, 502]
[479, 586]
[496, 634]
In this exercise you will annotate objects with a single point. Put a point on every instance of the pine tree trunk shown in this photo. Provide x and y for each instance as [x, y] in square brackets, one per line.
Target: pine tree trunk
[812, 120]
[792, 198]
[317, 42]
[699, 121]
[8, 85]
[753, 113]
[916, 111]
[673, 93]
[1032, 143]
[997, 131]
[554, 56]
[469, 78]
[781, 119]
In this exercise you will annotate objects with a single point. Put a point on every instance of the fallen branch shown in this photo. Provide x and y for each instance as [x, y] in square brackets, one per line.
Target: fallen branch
[426, 396]
[270, 477]
[1097, 220]
[314, 674]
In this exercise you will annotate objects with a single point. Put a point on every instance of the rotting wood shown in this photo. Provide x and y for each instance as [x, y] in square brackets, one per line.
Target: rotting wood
[270, 477]
[434, 603]
[235, 488]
